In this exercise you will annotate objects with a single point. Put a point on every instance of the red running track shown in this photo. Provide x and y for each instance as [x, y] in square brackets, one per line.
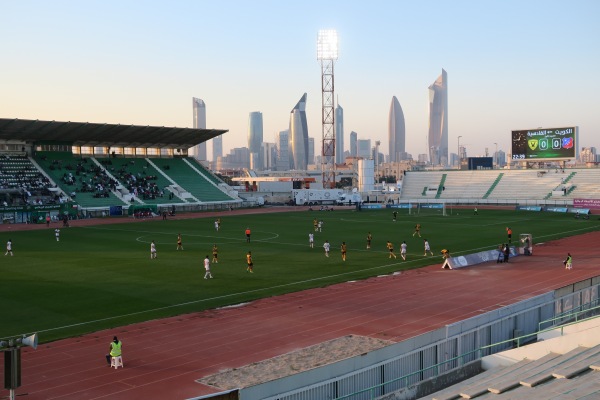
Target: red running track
[164, 358]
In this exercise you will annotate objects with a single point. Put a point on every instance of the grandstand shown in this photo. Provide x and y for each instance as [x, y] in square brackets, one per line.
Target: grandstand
[502, 186]
[104, 167]
[194, 179]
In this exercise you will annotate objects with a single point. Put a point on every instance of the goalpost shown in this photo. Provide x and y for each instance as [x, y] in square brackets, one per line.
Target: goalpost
[428, 208]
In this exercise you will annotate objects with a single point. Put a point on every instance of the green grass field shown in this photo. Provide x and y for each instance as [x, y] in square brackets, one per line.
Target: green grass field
[101, 277]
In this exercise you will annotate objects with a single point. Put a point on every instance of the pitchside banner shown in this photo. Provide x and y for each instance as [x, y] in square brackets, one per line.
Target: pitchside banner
[529, 208]
[592, 204]
[369, 205]
[557, 209]
[405, 205]
[478, 258]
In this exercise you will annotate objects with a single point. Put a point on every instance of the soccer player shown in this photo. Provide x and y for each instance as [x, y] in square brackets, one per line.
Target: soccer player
[427, 247]
[417, 230]
[249, 262]
[509, 233]
[343, 248]
[327, 247]
[390, 247]
[9, 248]
[394, 214]
[207, 274]
[215, 253]
[311, 240]
[446, 257]
[369, 239]
[152, 250]
[57, 234]
[403, 247]
[248, 235]
[320, 225]
[179, 242]
[315, 224]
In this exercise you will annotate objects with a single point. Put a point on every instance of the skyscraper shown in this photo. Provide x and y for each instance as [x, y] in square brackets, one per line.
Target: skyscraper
[255, 139]
[353, 139]
[217, 146]
[339, 134]
[298, 150]
[199, 111]
[396, 132]
[438, 120]
[363, 148]
[283, 144]
[311, 151]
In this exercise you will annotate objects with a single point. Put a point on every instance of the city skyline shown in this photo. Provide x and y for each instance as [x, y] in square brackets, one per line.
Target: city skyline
[507, 73]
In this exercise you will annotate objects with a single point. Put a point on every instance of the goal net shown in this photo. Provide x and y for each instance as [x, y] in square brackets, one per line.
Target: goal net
[428, 208]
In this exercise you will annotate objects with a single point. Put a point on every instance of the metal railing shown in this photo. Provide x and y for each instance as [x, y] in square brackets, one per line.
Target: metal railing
[587, 308]
[375, 391]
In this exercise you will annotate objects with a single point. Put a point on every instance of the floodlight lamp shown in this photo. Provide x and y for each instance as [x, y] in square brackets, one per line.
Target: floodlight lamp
[327, 44]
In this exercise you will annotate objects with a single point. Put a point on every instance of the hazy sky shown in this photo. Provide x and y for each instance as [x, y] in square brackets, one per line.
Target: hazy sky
[511, 64]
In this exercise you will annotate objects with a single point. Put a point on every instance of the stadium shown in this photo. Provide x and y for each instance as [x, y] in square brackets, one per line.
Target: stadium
[302, 326]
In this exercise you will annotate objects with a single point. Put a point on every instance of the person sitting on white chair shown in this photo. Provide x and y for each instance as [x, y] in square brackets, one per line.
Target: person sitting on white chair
[114, 357]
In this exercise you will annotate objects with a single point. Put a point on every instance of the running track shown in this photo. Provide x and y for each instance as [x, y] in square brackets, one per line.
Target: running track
[163, 358]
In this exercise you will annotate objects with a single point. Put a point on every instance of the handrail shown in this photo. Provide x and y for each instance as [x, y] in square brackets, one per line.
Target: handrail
[480, 350]
[570, 313]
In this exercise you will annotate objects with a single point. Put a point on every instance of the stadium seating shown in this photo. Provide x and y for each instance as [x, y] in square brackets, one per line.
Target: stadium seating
[414, 182]
[192, 180]
[28, 184]
[552, 376]
[80, 178]
[139, 176]
[206, 172]
[585, 184]
[468, 184]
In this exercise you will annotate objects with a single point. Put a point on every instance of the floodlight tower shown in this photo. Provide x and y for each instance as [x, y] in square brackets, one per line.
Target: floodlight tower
[327, 53]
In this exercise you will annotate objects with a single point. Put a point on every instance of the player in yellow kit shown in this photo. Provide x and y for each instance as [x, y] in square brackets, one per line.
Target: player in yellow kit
[215, 253]
[390, 247]
[249, 262]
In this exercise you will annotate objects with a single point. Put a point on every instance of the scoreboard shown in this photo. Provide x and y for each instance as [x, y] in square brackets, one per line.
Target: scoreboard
[545, 144]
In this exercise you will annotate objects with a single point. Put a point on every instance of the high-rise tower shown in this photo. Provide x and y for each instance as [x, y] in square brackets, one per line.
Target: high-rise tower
[396, 132]
[438, 120]
[199, 111]
[298, 150]
[339, 134]
[353, 140]
[217, 148]
[283, 150]
[255, 139]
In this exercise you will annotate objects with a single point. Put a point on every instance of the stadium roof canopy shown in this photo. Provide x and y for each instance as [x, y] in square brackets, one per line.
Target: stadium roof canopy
[100, 135]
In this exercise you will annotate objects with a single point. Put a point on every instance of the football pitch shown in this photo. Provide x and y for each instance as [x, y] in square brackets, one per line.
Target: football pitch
[99, 277]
